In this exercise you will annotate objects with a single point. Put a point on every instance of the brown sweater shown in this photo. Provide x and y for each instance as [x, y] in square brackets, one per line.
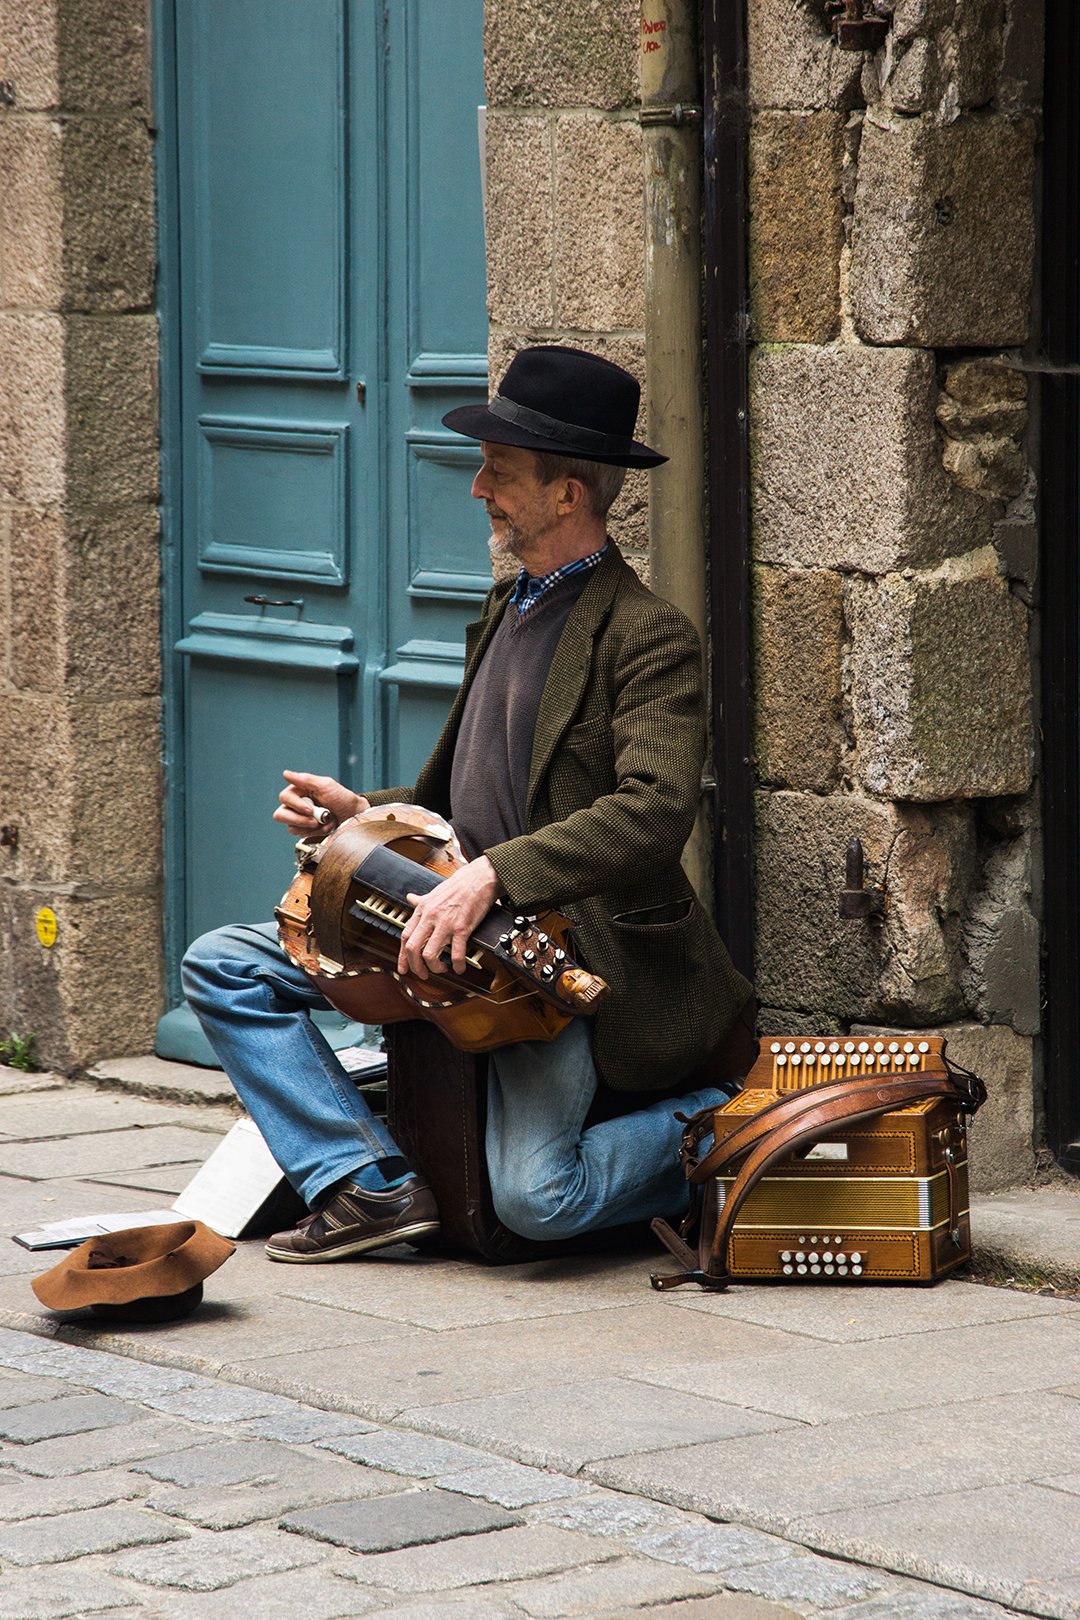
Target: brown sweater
[489, 780]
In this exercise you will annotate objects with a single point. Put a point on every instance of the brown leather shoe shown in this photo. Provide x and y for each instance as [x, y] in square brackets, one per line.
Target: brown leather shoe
[353, 1221]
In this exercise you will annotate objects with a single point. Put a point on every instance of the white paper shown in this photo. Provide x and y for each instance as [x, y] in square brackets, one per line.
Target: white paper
[67, 1234]
[233, 1184]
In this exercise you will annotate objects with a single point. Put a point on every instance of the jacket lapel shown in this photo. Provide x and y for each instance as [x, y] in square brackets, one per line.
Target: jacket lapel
[570, 666]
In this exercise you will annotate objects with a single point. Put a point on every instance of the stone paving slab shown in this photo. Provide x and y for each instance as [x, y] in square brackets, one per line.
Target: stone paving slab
[442, 1294]
[806, 1579]
[423, 1367]
[404, 1453]
[83, 1110]
[407, 1519]
[225, 1403]
[305, 1423]
[849, 1315]
[920, 1602]
[822, 1382]
[209, 1561]
[93, 1153]
[1030, 1230]
[65, 1414]
[243, 1334]
[96, 1369]
[22, 1497]
[987, 1542]
[566, 1426]
[168, 1179]
[770, 1480]
[151, 1076]
[715, 1608]
[511, 1484]
[69, 1595]
[502, 1555]
[63, 1536]
[233, 1507]
[102, 1448]
[314, 1593]
[623, 1581]
[18, 1389]
[217, 1462]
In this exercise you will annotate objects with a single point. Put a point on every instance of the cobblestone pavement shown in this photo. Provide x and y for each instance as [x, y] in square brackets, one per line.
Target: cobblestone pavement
[437, 1440]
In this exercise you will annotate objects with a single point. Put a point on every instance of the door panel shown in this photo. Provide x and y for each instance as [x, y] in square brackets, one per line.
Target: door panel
[328, 554]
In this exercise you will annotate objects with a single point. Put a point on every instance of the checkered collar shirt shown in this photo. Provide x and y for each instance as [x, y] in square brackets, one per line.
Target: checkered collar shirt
[528, 590]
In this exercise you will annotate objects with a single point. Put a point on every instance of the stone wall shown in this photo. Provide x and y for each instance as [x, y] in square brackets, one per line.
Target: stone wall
[565, 223]
[79, 584]
[892, 248]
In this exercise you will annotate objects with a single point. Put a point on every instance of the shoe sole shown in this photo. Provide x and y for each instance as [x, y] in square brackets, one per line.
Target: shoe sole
[385, 1240]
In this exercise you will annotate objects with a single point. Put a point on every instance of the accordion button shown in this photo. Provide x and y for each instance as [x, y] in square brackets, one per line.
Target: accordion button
[827, 1256]
[856, 1258]
[815, 1271]
[856, 1271]
[785, 1254]
[788, 1270]
[841, 1271]
[829, 1270]
[841, 1259]
[814, 1257]
[800, 1255]
[801, 1270]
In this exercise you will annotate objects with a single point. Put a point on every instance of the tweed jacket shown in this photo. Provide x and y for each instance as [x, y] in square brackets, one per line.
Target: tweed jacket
[613, 791]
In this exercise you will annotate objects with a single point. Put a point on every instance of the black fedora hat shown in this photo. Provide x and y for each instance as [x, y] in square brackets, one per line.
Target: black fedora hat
[564, 402]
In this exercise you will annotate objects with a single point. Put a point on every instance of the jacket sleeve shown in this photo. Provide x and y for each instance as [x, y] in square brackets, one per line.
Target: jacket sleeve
[658, 741]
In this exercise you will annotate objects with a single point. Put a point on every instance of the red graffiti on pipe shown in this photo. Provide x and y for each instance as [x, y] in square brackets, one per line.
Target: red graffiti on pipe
[657, 26]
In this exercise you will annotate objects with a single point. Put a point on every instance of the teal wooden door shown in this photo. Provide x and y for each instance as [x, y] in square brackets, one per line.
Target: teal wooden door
[328, 308]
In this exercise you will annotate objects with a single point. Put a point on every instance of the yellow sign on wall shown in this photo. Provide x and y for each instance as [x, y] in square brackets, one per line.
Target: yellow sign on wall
[46, 925]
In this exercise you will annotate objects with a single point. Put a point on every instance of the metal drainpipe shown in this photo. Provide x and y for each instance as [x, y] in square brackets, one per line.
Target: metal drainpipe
[671, 141]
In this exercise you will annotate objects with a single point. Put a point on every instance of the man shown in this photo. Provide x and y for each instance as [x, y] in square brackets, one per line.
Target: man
[570, 766]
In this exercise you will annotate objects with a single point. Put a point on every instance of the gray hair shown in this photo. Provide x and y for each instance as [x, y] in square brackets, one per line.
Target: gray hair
[602, 483]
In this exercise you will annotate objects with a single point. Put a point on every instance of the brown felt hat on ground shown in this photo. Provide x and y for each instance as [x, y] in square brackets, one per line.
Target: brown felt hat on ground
[146, 1274]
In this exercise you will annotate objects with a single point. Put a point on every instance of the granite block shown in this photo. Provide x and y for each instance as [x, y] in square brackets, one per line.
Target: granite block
[209, 1561]
[1008, 1543]
[63, 1536]
[408, 1519]
[502, 1555]
[65, 1414]
[404, 1453]
[71, 1594]
[565, 1426]
[775, 1480]
[511, 1484]
[22, 1497]
[101, 1448]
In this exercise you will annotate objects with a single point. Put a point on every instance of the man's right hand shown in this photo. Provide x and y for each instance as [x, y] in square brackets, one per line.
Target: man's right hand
[305, 794]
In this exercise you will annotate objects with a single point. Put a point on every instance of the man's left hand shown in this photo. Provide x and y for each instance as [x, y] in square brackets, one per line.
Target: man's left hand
[447, 916]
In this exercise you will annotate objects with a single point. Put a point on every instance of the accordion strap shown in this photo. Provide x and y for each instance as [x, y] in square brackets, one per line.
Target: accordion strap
[797, 1121]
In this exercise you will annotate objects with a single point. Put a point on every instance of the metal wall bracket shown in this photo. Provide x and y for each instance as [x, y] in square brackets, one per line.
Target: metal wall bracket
[855, 899]
[682, 114]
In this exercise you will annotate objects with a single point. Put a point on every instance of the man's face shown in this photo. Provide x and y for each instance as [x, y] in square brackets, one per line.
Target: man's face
[522, 510]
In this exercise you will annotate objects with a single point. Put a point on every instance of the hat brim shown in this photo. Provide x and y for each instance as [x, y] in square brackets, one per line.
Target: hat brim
[477, 422]
[161, 1261]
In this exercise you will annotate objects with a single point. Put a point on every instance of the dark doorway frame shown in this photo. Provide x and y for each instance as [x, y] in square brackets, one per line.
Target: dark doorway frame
[726, 325]
[1060, 579]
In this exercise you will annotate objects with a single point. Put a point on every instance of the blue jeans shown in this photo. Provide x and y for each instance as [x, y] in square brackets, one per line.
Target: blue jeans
[550, 1177]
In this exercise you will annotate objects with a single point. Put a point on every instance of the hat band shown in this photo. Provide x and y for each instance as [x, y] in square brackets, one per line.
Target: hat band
[549, 427]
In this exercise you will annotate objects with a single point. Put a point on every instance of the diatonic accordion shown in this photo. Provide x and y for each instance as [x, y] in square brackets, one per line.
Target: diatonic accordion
[885, 1200]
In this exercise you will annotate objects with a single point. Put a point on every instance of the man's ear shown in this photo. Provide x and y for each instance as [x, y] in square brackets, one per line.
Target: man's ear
[573, 497]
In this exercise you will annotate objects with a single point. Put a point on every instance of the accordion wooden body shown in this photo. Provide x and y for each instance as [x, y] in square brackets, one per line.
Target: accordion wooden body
[879, 1198]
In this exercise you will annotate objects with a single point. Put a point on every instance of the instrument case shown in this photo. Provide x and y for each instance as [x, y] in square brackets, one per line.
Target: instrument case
[436, 1112]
